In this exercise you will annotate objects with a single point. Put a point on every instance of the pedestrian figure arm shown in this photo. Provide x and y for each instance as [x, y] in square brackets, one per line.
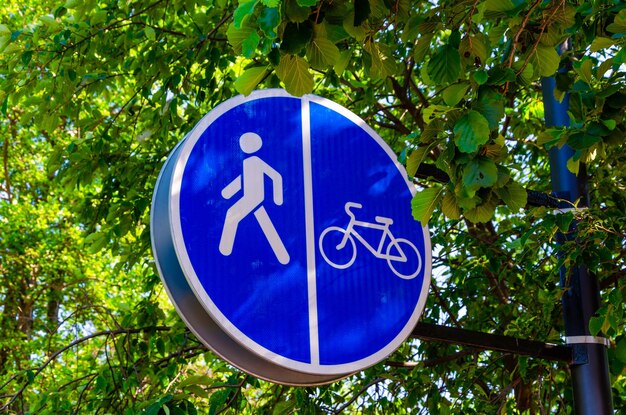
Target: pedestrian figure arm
[232, 188]
[277, 184]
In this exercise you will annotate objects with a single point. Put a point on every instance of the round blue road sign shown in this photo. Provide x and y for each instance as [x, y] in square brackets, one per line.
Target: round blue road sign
[291, 221]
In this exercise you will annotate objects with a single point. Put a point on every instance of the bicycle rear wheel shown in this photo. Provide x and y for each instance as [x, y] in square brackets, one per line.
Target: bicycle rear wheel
[340, 257]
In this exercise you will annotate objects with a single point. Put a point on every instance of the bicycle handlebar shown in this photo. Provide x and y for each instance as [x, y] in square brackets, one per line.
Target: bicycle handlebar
[351, 205]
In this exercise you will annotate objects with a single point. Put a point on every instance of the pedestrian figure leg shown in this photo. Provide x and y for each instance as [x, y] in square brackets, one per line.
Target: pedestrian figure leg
[272, 236]
[234, 215]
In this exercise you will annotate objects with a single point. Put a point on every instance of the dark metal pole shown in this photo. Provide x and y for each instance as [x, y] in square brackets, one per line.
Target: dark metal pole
[590, 370]
[488, 341]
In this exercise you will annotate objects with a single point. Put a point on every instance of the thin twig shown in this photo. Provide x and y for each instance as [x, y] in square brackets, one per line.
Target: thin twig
[56, 354]
[359, 393]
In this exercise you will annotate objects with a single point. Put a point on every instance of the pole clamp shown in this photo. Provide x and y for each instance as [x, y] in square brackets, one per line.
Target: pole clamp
[587, 340]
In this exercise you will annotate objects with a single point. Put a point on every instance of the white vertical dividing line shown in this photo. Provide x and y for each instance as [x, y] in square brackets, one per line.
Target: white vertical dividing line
[310, 234]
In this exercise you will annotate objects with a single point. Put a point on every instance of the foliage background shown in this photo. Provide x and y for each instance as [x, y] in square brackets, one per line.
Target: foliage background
[94, 95]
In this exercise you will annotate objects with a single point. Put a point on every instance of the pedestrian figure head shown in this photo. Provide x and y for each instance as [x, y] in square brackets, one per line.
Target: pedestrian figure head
[250, 143]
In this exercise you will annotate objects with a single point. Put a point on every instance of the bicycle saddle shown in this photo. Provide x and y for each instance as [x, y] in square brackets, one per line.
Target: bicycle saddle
[384, 220]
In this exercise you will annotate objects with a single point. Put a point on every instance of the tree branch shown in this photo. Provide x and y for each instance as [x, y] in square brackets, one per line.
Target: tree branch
[356, 395]
[535, 199]
[60, 351]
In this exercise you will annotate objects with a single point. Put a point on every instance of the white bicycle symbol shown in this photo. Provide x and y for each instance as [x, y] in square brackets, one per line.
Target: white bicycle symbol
[398, 250]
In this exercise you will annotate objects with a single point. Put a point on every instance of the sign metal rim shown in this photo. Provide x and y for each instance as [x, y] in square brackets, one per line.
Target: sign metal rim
[208, 304]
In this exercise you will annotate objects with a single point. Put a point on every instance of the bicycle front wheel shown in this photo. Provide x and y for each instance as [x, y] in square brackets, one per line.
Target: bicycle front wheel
[336, 250]
[403, 258]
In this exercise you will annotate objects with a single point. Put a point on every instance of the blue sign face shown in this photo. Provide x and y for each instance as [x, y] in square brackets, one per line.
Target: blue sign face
[292, 223]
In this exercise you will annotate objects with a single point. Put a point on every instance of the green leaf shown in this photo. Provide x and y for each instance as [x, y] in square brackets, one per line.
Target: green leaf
[514, 195]
[198, 391]
[610, 124]
[584, 70]
[95, 242]
[582, 140]
[296, 13]
[357, 32]
[564, 220]
[249, 44]
[422, 47]
[321, 52]
[295, 74]
[450, 207]
[445, 65]
[600, 43]
[619, 24]
[150, 33]
[249, 79]
[382, 63]
[237, 36]
[499, 5]
[268, 21]
[525, 73]
[615, 297]
[549, 138]
[573, 165]
[480, 172]
[416, 158]
[482, 213]
[26, 57]
[471, 131]
[424, 202]
[245, 8]
[475, 47]
[342, 62]
[480, 77]
[500, 76]
[620, 350]
[453, 94]
[49, 21]
[196, 380]
[490, 104]
[307, 3]
[595, 325]
[4, 41]
[411, 29]
[546, 60]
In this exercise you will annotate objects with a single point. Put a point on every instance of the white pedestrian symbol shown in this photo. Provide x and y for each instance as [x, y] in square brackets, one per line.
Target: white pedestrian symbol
[252, 182]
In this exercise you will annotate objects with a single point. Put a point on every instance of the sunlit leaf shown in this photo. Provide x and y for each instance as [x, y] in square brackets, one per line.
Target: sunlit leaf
[450, 206]
[244, 9]
[295, 74]
[237, 36]
[249, 79]
[424, 202]
[482, 213]
[600, 43]
[322, 53]
[546, 60]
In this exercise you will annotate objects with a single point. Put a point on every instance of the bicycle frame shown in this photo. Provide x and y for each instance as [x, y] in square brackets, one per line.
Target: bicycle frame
[386, 234]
